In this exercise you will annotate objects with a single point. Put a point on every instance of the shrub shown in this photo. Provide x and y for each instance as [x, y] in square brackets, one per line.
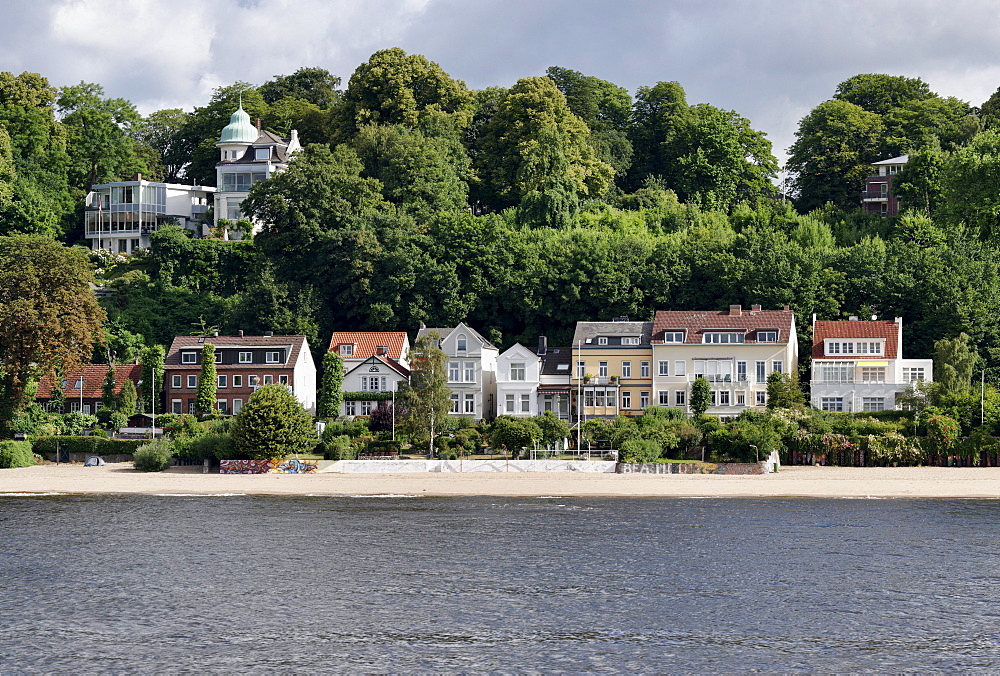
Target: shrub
[75, 423]
[338, 448]
[16, 454]
[384, 447]
[70, 444]
[272, 425]
[153, 456]
[894, 448]
[640, 450]
[118, 420]
[218, 446]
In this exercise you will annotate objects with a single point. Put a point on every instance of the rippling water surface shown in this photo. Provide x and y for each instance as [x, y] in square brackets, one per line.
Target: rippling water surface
[263, 584]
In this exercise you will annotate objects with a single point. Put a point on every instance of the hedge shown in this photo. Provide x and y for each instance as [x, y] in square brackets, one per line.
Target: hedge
[367, 396]
[86, 445]
[15, 454]
[384, 447]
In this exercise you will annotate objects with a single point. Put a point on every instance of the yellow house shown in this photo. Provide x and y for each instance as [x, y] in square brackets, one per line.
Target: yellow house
[612, 368]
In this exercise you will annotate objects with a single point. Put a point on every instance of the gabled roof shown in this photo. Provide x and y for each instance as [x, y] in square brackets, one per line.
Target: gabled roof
[585, 330]
[391, 363]
[444, 333]
[902, 159]
[883, 328]
[517, 347]
[366, 343]
[553, 357]
[93, 380]
[296, 345]
[695, 323]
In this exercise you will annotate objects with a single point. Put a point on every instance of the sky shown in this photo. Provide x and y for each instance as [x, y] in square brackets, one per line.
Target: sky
[770, 60]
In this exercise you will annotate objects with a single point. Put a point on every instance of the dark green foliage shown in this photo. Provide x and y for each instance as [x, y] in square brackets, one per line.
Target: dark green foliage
[46, 446]
[152, 378]
[16, 454]
[127, 398]
[108, 398]
[337, 448]
[331, 379]
[640, 450]
[514, 434]
[153, 456]
[701, 396]
[210, 446]
[204, 402]
[272, 425]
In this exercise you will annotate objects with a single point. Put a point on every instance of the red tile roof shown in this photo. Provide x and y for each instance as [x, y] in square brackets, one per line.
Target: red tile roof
[695, 323]
[366, 342]
[93, 381]
[883, 328]
[173, 360]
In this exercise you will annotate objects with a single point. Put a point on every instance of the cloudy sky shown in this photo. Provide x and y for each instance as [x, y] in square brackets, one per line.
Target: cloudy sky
[770, 60]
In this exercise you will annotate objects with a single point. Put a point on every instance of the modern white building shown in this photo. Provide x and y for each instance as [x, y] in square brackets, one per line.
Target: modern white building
[735, 350]
[859, 365]
[518, 375]
[247, 155]
[472, 370]
[120, 216]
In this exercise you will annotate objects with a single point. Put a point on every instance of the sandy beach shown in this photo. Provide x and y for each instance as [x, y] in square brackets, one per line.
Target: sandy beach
[843, 482]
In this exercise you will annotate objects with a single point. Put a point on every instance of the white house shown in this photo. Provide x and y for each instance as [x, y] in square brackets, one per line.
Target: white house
[518, 375]
[247, 155]
[120, 216]
[472, 366]
[859, 365]
[375, 375]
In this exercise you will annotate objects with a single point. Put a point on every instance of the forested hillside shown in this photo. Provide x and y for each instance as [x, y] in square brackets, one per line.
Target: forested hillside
[524, 210]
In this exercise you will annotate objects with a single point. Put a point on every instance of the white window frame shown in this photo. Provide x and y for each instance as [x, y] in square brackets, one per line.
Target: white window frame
[454, 403]
[176, 405]
[470, 372]
[218, 356]
[470, 404]
[462, 343]
[192, 381]
[454, 371]
[237, 406]
[175, 382]
[626, 400]
[222, 381]
[680, 398]
[517, 371]
[602, 369]
[644, 400]
[626, 369]
[246, 357]
[272, 357]
[673, 337]
[269, 379]
[189, 357]
[664, 397]
[664, 367]
[237, 381]
[602, 340]
[680, 368]
[644, 369]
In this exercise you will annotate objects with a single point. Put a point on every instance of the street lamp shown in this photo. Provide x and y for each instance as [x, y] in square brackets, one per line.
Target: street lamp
[79, 386]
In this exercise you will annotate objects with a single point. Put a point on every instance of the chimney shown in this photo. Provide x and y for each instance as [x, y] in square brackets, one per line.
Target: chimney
[852, 318]
[215, 334]
[735, 310]
[138, 177]
[240, 333]
[422, 325]
[786, 308]
[382, 350]
[543, 345]
[258, 125]
[755, 308]
[294, 140]
[268, 334]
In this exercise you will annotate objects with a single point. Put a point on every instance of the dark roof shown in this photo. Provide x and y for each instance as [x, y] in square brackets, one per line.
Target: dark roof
[555, 356]
[695, 323]
[296, 345]
[585, 330]
[93, 380]
[266, 139]
[883, 328]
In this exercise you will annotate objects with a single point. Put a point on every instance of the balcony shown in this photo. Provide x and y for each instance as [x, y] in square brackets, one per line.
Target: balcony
[874, 196]
[721, 380]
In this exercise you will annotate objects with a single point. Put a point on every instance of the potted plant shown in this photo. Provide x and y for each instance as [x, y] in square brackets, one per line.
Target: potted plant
[587, 378]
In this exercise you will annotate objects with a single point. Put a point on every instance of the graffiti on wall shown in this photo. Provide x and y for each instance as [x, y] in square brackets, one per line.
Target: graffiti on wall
[266, 467]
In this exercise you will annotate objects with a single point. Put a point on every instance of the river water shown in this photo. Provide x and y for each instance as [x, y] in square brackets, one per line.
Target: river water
[257, 584]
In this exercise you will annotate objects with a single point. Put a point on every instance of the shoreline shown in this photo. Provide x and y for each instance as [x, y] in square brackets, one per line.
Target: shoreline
[790, 482]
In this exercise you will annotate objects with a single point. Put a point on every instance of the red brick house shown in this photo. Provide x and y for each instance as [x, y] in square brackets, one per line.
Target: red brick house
[242, 364]
[83, 387]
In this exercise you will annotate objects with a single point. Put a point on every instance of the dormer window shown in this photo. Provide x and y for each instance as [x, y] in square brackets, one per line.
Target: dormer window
[602, 340]
[673, 337]
[347, 350]
[189, 357]
[630, 340]
[723, 338]
[218, 357]
[767, 336]
[262, 154]
[463, 343]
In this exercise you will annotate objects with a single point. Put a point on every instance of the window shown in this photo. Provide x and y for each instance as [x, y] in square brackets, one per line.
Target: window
[268, 380]
[218, 357]
[463, 343]
[372, 383]
[723, 338]
[664, 369]
[366, 407]
[741, 371]
[680, 398]
[262, 153]
[602, 340]
[626, 400]
[832, 403]
[254, 381]
[580, 369]
[272, 357]
[664, 398]
[612, 398]
[776, 365]
[835, 372]
[470, 403]
[673, 337]
[237, 382]
[761, 398]
[237, 406]
[175, 382]
[602, 369]
[873, 403]
[470, 371]
[347, 350]
[761, 375]
[221, 404]
[630, 340]
[599, 397]
[191, 406]
[912, 374]
[644, 399]
[175, 405]
[246, 357]
[741, 398]
[517, 371]
[588, 398]
[714, 370]
[644, 369]
[724, 398]
[525, 403]
[283, 380]
[873, 374]
[510, 403]
[715, 397]
[189, 357]
[626, 369]
[454, 403]
[223, 381]
[192, 381]
[74, 406]
[767, 336]
[453, 372]
[350, 408]
[680, 368]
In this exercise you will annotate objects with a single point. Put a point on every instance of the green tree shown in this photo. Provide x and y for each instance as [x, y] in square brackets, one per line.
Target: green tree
[151, 390]
[513, 434]
[161, 130]
[127, 397]
[966, 178]
[108, 398]
[332, 380]
[204, 402]
[783, 390]
[918, 185]
[701, 396]
[426, 397]
[954, 359]
[318, 86]
[659, 113]
[553, 429]
[272, 425]
[49, 317]
[878, 93]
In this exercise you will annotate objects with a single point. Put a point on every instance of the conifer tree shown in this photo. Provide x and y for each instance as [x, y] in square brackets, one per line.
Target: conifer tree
[204, 402]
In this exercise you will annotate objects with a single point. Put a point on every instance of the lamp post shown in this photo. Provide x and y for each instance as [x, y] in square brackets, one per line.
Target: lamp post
[79, 386]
